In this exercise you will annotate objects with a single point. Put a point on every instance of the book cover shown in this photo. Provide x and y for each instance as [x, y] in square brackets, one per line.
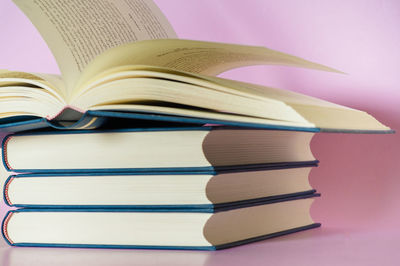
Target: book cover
[159, 211]
[176, 149]
[159, 192]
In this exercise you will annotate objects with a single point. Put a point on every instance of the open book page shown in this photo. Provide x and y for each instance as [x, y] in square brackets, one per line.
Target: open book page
[133, 72]
[205, 83]
[35, 94]
[202, 114]
[76, 31]
[286, 96]
[136, 83]
[219, 99]
[53, 84]
[322, 114]
[207, 58]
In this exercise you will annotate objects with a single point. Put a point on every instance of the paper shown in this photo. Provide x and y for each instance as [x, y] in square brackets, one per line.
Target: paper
[76, 31]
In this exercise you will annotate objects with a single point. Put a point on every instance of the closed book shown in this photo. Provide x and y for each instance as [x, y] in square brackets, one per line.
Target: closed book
[190, 149]
[207, 229]
[161, 190]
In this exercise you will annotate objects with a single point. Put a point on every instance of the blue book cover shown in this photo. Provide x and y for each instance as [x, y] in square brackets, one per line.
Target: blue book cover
[202, 167]
[73, 192]
[158, 211]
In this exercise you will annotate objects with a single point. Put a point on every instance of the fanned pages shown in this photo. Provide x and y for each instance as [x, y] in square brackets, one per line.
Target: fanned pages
[80, 30]
[105, 74]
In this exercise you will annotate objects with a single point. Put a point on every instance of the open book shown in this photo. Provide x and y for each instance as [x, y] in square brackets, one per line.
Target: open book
[122, 59]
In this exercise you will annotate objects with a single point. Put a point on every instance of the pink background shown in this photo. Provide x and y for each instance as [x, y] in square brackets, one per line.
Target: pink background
[359, 175]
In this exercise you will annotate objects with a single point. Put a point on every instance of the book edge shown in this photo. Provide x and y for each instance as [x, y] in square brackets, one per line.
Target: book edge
[6, 197]
[267, 236]
[170, 170]
[158, 208]
[4, 156]
[166, 247]
[94, 119]
[4, 225]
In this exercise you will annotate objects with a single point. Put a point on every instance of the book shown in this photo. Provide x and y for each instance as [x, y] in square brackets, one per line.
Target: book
[106, 75]
[207, 229]
[156, 190]
[188, 149]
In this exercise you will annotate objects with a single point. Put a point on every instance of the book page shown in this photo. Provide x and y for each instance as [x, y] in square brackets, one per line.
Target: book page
[76, 31]
[49, 82]
[206, 58]
[33, 94]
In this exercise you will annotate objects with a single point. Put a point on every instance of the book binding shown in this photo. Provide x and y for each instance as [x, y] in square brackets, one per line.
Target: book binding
[218, 247]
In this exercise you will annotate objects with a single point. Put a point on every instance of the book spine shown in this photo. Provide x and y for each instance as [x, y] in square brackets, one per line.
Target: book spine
[6, 196]
[86, 121]
[4, 230]
[4, 153]
[66, 108]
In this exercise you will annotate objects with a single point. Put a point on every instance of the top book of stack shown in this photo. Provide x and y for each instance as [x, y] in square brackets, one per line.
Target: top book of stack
[121, 59]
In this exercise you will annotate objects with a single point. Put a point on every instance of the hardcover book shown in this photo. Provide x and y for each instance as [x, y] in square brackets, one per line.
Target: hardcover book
[156, 77]
[156, 190]
[187, 149]
[206, 229]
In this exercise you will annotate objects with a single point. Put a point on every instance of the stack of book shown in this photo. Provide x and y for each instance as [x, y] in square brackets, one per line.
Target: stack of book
[155, 151]
[189, 188]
